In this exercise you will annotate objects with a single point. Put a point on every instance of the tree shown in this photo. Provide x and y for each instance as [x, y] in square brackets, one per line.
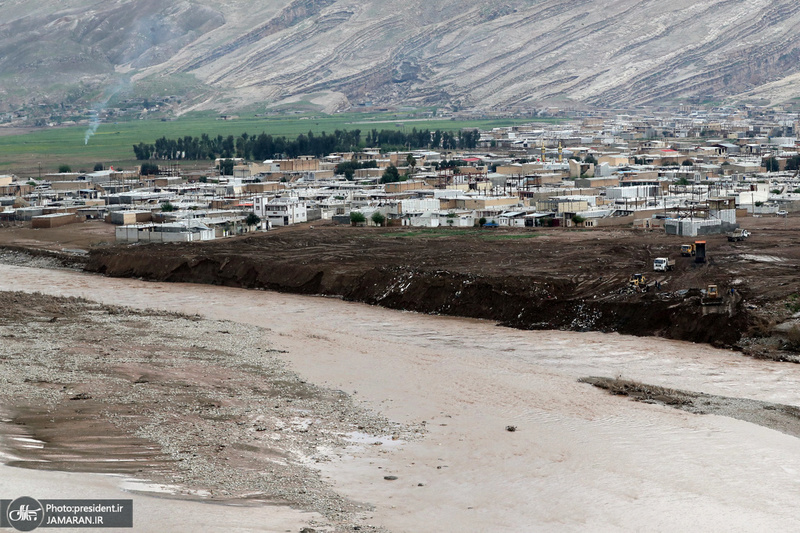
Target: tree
[482, 221]
[771, 164]
[148, 169]
[590, 159]
[687, 163]
[682, 181]
[63, 169]
[412, 162]
[793, 163]
[377, 218]
[357, 217]
[578, 220]
[252, 219]
[98, 167]
[226, 167]
[167, 207]
[390, 175]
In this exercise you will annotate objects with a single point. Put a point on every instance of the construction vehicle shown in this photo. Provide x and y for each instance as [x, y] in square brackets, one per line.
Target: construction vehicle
[738, 235]
[687, 250]
[712, 296]
[700, 251]
[662, 264]
[637, 282]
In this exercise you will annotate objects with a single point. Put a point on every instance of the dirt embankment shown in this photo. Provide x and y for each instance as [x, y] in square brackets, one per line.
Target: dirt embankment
[543, 280]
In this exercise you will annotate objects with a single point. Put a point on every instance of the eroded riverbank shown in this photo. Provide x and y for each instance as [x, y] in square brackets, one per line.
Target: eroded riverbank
[579, 458]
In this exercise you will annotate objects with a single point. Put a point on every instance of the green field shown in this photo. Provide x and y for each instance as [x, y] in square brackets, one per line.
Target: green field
[112, 143]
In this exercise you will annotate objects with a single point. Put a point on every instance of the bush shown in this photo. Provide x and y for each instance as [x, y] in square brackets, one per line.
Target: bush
[64, 169]
[167, 207]
[98, 167]
[377, 218]
[148, 169]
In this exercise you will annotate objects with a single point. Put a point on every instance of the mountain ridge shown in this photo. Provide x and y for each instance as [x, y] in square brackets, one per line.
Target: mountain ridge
[228, 55]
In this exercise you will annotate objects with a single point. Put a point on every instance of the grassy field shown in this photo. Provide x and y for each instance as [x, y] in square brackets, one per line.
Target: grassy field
[112, 143]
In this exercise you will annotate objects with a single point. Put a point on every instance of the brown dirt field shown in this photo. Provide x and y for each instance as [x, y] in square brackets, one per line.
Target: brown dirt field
[70, 237]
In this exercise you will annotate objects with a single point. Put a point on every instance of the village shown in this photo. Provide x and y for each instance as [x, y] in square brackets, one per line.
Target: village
[692, 173]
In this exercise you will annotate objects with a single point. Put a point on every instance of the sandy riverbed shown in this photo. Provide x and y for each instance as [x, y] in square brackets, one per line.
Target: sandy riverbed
[580, 459]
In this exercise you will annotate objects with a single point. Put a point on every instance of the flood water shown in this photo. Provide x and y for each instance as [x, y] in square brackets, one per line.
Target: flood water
[581, 459]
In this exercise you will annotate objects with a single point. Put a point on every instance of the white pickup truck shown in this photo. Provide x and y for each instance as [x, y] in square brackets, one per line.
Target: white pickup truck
[662, 264]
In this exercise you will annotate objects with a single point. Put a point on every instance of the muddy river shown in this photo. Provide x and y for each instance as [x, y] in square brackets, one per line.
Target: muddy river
[580, 458]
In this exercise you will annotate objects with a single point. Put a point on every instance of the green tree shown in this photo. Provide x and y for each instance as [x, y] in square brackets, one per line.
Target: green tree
[226, 167]
[682, 181]
[252, 219]
[482, 221]
[357, 217]
[771, 164]
[590, 159]
[377, 218]
[63, 169]
[687, 163]
[148, 169]
[390, 175]
[167, 207]
[98, 167]
[578, 220]
[412, 162]
[793, 163]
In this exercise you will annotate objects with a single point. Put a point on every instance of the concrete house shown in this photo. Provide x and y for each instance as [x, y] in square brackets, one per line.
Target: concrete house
[281, 211]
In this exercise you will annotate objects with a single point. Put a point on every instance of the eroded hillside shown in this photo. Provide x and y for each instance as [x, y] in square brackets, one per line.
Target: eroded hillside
[336, 53]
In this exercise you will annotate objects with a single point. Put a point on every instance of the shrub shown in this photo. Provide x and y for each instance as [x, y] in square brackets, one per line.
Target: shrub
[167, 207]
[376, 217]
[64, 168]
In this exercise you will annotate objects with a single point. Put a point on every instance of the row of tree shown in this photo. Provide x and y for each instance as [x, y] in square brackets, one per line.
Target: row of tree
[264, 146]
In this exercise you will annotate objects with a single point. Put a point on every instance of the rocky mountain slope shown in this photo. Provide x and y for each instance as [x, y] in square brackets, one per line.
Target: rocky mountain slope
[226, 54]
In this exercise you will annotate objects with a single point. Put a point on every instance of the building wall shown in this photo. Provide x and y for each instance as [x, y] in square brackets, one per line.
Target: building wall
[54, 221]
[135, 233]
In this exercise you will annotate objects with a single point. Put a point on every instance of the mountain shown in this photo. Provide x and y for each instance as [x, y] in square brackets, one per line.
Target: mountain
[231, 54]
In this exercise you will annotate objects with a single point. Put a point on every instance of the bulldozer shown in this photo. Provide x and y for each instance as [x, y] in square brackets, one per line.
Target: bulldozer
[712, 296]
[638, 282]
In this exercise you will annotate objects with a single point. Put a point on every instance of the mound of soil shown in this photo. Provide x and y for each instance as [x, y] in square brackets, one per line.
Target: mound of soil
[551, 279]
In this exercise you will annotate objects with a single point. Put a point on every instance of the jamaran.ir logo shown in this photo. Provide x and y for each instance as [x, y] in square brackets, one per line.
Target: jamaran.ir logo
[25, 514]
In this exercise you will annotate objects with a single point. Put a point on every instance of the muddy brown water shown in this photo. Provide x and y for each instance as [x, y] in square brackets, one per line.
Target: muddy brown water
[580, 458]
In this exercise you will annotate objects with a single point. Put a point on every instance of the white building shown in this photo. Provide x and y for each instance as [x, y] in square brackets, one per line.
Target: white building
[169, 232]
[281, 211]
